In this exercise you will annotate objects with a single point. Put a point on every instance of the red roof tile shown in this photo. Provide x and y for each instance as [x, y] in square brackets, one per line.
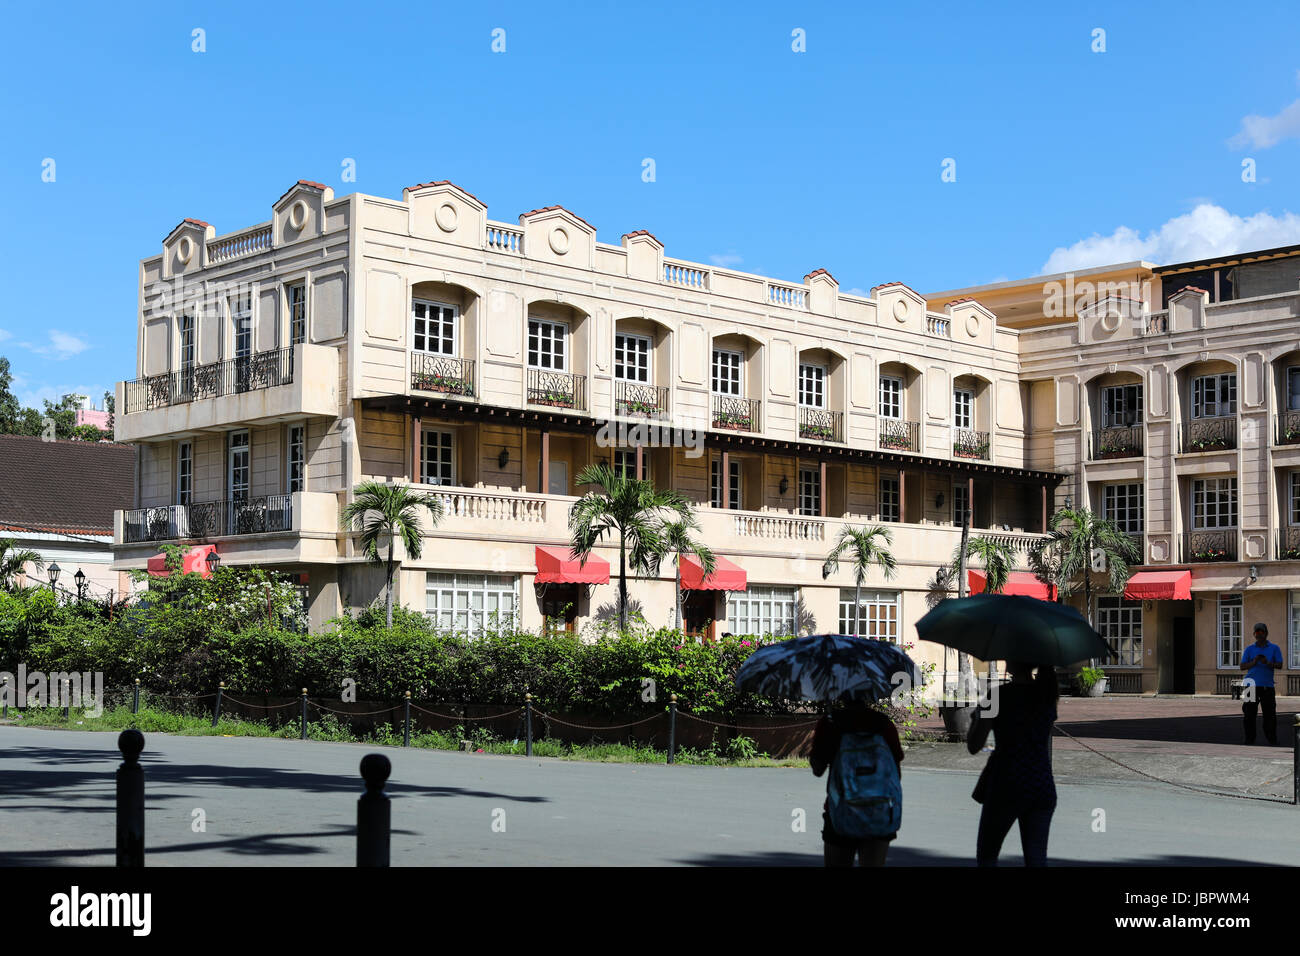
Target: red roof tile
[966, 298]
[444, 182]
[533, 212]
[642, 232]
[1191, 288]
[886, 285]
[57, 485]
[820, 272]
[301, 182]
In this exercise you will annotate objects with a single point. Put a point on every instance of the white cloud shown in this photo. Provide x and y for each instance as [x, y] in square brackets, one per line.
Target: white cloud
[62, 345]
[1261, 132]
[5, 335]
[1208, 230]
[727, 261]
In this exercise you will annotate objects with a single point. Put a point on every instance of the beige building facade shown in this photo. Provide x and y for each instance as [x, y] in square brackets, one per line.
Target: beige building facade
[418, 341]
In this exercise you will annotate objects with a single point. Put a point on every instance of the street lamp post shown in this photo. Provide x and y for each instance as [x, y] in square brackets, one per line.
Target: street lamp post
[80, 578]
[213, 561]
[53, 572]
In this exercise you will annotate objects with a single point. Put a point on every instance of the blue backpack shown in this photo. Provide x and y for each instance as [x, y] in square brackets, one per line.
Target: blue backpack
[865, 796]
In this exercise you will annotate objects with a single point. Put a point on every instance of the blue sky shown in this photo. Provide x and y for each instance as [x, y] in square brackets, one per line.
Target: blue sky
[766, 159]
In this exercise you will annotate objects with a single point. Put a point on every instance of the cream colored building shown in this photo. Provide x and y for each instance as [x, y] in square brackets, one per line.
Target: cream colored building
[417, 341]
[1172, 401]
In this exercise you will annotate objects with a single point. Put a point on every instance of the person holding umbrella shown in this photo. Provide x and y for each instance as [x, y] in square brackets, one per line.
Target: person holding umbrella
[857, 743]
[1017, 783]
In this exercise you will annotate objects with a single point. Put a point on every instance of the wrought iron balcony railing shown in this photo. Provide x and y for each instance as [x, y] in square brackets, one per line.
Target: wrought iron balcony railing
[640, 400]
[197, 382]
[442, 374]
[557, 389]
[821, 424]
[1218, 544]
[1210, 434]
[1117, 441]
[209, 519]
[898, 435]
[970, 444]
[1288, 428]
[1288, 543]
[737, 414]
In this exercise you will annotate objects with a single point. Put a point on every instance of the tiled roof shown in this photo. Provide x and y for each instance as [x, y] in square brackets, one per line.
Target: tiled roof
[61, 485]
[1191, 288]
[886, 285]
[445, 182]
[534, 212]
[965, 298]
[193, 222]
[301, 182]
[639, 232]
[820, 272]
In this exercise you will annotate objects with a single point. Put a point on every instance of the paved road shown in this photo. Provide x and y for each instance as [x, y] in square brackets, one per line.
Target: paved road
[277, 802]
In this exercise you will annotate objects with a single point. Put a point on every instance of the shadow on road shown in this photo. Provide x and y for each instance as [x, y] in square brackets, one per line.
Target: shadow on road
[913, 856]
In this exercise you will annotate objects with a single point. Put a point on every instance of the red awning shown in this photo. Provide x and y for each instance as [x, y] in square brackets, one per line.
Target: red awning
[557, 565]
[1018, 582]
[195, 561]
[726, 575]
[1159, 586]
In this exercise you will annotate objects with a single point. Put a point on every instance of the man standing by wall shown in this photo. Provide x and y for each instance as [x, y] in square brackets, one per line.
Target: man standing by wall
[1260, 660]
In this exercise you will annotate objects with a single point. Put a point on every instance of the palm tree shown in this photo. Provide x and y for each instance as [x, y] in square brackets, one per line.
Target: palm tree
[677, 538]
[382, 511]
[631, 507]
[1074, 536]
[995, 557]
[865, 548]
[14, 561]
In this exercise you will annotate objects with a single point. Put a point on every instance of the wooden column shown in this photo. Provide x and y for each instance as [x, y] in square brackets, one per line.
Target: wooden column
[970, 500]
[415, 450]
[639, 454]
[725, 479]
[546, 463]
[1044, 491]
[902, 496]
[822, 485]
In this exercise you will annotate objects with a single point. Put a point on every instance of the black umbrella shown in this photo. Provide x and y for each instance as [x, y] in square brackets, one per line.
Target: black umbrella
[1003, 627]
[827, 667]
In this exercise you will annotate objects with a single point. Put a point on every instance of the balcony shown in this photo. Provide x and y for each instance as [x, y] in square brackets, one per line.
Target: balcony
[820, 424]
[1288, 543]
[639, 400]
[209, 519]
[970, 444]
[1219, 544]
[1288, 428]
[736, 414]
[562, 390]
[1117, 441]
[898, 435]
[442, 374]
[302, 380]
[1210, 434]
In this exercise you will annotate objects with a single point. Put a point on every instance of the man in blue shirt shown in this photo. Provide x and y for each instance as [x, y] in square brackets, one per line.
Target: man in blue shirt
[1260, 660]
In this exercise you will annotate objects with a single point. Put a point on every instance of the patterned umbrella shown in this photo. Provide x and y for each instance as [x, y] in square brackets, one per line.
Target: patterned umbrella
[1001, 627]
[826, 667]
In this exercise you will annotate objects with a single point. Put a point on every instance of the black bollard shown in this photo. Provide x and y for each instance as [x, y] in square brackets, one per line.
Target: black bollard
[1295, 765]
[135, 699]
[304, 714]
[374, 812]
[4, 698]
[672, 727]
[216, 708]
[67, 699]
[130, 800]
[406, 734]
[528, 725]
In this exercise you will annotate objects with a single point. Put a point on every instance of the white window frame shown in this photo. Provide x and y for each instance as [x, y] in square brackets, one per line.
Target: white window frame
[1228, 630]
[555, 336]
[445, 442]
[1121, 405]
[297, 311]
[812, 385]
[634, 354]
[1120, 502]
[734, 489]
[963, 408]
[1119, 622]
[440, 314]
[891, 397]
[877, 617]
[1295, 498]
[239, 444]
[810, 492]
[1292, 394]
[449, 599]
[1214, 498]
[295, 454]
[241, 325]
[624, 463]
[1223, 402]
[1293, 629]
[186, 342]
[184, 472]
[763, 610]
[731, 365]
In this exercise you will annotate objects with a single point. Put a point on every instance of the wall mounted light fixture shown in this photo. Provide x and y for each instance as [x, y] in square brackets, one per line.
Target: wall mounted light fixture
[785, 485]
[1254, 573]
[938, 500]
[504, 458]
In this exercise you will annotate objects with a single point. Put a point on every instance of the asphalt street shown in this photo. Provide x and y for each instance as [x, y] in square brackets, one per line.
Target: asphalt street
[277, 802]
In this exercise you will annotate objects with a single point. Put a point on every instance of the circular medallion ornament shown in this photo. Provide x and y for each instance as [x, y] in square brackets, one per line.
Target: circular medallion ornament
[298, 214]
[185, 250]
[559, 241]
[900, 310]
[446, 217]
[972, 325]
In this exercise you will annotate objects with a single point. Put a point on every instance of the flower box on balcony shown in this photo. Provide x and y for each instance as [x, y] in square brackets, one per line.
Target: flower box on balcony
[896, 443]
[1291, 436]
[1117, 451]
[1210, 554]
[638, 407]
[1290, 554]
[554, 399]
[967, 452]
[819, 432]
[1208, 444]
[733, 422]
[447, 384]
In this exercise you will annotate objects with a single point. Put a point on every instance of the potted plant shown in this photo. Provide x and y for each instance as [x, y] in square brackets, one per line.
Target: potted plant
[1092, 682]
